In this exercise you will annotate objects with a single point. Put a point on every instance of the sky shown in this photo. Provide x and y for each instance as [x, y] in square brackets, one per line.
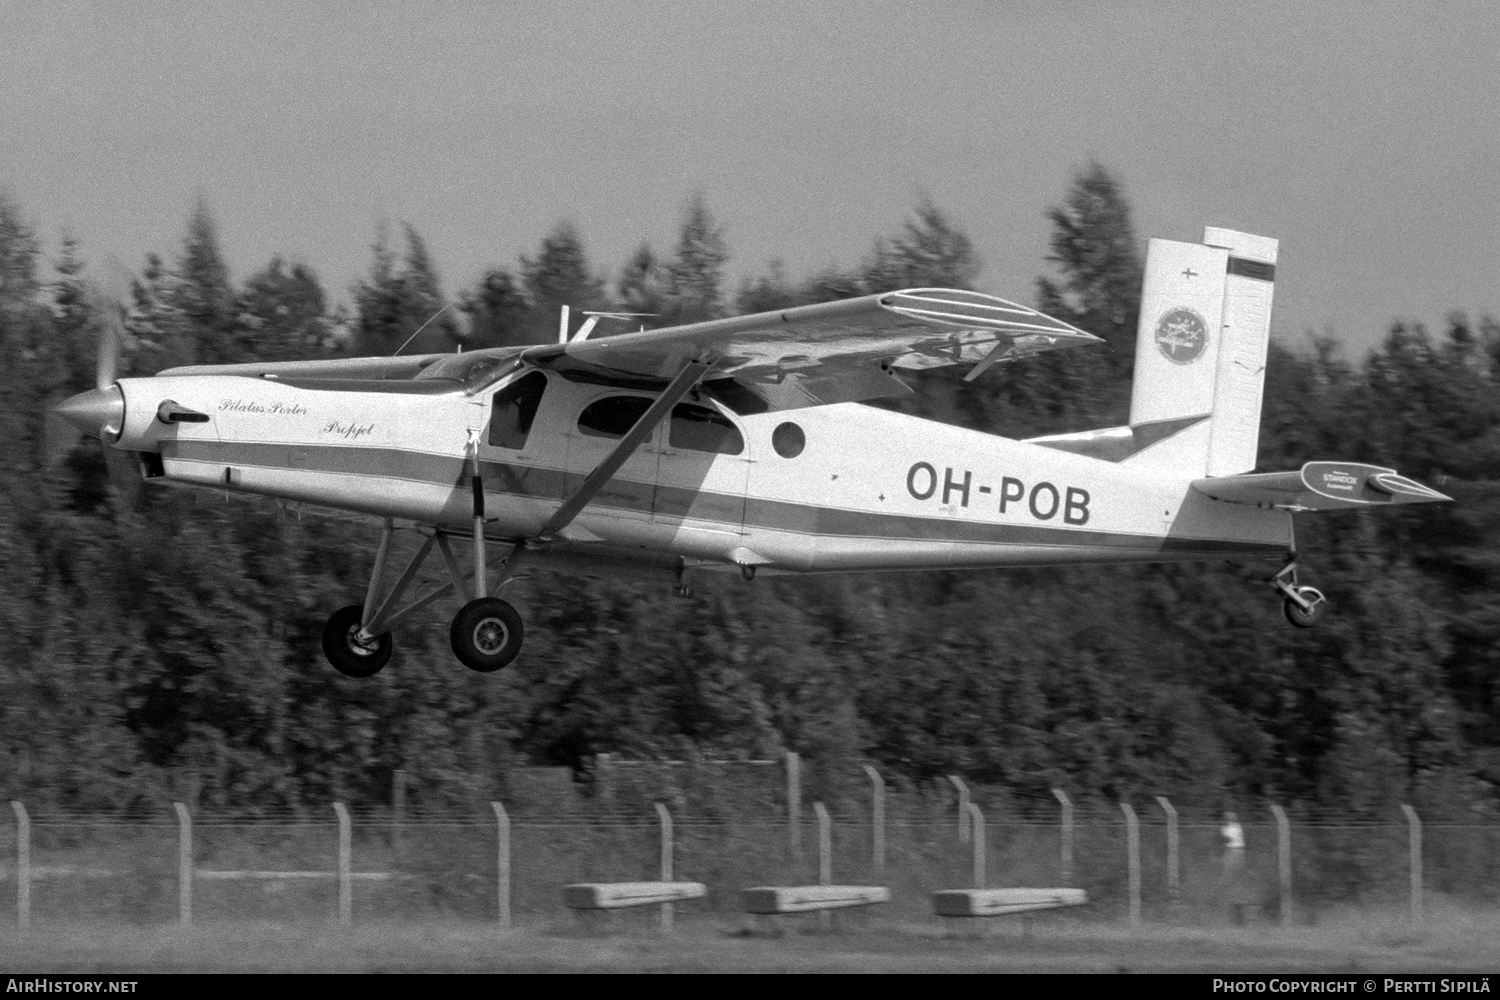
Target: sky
[1364, 136]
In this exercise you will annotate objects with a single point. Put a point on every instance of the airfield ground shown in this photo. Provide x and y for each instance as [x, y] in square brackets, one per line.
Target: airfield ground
[1353, 944]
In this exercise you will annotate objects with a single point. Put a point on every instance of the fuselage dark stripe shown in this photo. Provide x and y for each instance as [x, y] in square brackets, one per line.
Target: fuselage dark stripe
[633, 498]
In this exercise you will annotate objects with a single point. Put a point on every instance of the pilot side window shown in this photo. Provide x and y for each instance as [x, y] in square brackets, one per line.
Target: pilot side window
[697, 428]
[513, 410]
[612, 416]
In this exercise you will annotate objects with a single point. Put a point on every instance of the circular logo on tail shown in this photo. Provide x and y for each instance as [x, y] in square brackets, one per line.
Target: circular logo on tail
[1181, 334]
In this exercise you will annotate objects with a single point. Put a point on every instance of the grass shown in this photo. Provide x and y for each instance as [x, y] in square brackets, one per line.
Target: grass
[1356, 942]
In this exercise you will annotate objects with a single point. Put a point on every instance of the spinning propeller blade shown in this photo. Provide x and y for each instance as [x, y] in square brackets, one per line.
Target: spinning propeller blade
[101, 410]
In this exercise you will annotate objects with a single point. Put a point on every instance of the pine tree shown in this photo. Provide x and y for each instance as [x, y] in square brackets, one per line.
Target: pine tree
[696, 272]
[401, 309]
[559, 275]
[283, 314]
[644, 286]
[498, 313]
[931, 251]
[201, 292]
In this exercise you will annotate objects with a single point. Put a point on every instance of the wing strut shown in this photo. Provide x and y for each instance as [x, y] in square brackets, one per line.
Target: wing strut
[690, 375]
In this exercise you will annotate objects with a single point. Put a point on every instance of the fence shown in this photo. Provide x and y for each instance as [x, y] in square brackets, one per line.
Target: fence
[1138, 862]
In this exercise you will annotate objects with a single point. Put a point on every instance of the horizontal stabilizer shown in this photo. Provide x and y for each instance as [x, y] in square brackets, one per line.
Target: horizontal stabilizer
[1319, 486]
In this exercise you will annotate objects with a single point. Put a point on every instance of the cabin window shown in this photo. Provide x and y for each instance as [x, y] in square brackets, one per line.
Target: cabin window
[612, 416]
[788, 440]
[697, 428]
[513, 410]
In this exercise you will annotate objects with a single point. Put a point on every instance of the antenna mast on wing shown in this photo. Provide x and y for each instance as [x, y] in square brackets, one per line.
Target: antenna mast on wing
[594, 316]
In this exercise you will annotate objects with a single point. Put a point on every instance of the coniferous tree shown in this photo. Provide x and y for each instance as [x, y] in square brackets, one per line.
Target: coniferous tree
[645, 287]
[201, 292]
[283, 314]
[400, 309]
[499, 315]
[559, 275]
[696, 272]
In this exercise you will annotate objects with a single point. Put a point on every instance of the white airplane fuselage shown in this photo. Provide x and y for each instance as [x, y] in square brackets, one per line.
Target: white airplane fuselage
[868, 490]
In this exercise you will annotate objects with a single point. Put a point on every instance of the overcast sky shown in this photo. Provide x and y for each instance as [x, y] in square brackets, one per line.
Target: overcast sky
[1365, 136]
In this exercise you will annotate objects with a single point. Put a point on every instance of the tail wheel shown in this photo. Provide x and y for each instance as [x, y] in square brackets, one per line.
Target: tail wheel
[486, 634]
[342, 646]
[1305, 617]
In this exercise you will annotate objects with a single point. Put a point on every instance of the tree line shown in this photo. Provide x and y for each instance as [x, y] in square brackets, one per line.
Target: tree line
[177, 633]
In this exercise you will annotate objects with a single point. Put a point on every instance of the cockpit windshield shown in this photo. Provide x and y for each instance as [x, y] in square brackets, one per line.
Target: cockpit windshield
[477, 370]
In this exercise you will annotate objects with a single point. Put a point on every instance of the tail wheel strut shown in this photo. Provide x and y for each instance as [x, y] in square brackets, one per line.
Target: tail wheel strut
[1303, 606]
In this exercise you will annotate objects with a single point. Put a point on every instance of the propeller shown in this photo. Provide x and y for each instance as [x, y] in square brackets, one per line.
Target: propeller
[101, 410]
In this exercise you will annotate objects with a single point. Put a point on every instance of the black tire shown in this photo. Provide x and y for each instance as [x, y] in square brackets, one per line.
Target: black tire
[351, 658]
[486, 634]
[1305, 618]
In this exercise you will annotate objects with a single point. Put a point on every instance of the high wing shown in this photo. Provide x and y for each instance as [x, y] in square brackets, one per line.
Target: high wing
[1319, 486]
[331, 368]
[832, 352]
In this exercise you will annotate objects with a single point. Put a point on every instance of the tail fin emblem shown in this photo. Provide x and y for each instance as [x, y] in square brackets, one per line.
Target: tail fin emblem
[1181, 334]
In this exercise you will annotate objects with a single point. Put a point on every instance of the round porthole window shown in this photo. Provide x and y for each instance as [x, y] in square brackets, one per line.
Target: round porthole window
[788, 440]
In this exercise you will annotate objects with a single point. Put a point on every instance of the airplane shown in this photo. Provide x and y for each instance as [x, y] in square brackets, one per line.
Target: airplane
[742, 445]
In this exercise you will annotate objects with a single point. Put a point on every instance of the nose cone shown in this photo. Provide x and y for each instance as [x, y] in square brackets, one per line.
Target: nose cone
[100, 412]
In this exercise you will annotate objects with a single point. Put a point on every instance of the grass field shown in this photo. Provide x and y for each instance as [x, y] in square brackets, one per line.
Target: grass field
[1354, 943]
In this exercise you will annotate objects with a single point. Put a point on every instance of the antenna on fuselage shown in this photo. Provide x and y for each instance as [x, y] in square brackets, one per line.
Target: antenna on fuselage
[424, 326]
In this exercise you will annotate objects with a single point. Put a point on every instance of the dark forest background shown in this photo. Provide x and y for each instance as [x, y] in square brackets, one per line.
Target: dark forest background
[177, 633]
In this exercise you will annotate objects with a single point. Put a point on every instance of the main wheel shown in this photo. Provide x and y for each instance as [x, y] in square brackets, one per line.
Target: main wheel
[1309, 617]
[486, 634]
[348, 655]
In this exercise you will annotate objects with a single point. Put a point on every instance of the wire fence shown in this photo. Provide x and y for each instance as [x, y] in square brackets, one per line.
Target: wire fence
[511, 862]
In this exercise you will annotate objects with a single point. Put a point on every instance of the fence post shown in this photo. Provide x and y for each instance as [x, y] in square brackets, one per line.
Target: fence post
[825, 845]
[976, 827]
[664, 818]
[1065, 865]
[398, 808]
[1133, 860]
[23, 865]
[963, 807]
[825, 856]
[877, 821]
[184, 863]
[346, 897]
[1283, 864]
[1414, 835]
[794, 803]
[1174, 865]
[502, 864]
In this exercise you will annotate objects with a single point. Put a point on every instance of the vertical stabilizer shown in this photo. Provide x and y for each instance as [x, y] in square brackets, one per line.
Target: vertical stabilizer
[1201, 353]
[1177, 353]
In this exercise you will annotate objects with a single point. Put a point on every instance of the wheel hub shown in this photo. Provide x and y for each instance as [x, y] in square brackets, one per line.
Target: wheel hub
[490, 636]
[362, 647]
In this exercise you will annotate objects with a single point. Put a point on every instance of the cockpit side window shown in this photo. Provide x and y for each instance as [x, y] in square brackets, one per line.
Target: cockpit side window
[513, 410]
[612, 416]
[697, 428]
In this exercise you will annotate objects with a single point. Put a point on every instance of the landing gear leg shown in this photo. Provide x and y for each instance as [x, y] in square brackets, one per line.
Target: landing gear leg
[357, 639]
[1303, 606]
[486, 634]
